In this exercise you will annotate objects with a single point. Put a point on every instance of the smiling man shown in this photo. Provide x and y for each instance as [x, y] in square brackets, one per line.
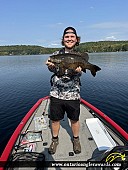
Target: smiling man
[65, 94]
[70, 39]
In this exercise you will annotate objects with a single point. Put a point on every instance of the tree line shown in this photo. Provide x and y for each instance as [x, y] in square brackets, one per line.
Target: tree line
[25, 50]
[90, 47]
[104, 46]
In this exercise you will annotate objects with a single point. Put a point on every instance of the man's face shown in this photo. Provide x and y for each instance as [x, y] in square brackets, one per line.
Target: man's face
[70, 39]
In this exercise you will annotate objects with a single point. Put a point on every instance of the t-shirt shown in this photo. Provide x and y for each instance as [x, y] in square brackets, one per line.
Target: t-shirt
[65, 87]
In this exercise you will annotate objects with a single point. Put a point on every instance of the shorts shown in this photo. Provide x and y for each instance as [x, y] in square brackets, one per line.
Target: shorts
[58, 107]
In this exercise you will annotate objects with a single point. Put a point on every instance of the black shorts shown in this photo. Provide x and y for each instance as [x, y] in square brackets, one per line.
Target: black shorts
[58, 107]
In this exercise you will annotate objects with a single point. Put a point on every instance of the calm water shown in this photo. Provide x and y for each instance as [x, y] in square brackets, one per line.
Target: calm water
[25, 79]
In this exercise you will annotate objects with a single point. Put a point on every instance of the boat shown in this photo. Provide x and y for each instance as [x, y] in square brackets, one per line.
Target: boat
[104, 143]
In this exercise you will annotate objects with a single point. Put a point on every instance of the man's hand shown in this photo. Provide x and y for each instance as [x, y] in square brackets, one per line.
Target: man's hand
[50, 64]
[78, 69]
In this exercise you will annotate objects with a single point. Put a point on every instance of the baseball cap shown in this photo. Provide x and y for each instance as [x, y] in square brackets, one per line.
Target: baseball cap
[69, 28]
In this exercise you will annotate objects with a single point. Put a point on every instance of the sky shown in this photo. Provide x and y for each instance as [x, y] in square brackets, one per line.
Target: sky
[42, 22]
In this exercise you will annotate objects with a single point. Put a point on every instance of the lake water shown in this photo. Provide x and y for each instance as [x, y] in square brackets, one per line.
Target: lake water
[25, 79]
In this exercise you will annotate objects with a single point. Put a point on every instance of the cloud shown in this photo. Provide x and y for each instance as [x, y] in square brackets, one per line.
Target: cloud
[54, 44]
[110, 25]
[59, 23]
[111, 38]
[54, 25]
[81, 21]
[3, 41]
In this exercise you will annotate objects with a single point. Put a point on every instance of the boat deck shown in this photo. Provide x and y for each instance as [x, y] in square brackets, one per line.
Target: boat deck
[65, 141]
[65, 148]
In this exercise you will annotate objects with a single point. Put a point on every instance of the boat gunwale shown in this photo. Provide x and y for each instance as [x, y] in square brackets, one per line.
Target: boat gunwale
[108, 120]
[6, 152]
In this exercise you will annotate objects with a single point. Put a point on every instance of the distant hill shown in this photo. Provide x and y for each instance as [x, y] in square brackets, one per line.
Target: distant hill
[103, 46]
[25, 50]
[100, 46]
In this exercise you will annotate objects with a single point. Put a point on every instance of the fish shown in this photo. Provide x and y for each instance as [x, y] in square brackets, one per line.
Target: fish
[70, 61]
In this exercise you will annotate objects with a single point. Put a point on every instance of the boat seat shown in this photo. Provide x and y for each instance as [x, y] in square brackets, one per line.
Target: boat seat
[100, 135]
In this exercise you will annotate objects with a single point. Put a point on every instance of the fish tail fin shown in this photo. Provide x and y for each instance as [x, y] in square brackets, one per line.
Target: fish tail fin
[95, 69]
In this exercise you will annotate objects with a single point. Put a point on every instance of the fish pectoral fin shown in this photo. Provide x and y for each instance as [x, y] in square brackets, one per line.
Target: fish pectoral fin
[84, 70]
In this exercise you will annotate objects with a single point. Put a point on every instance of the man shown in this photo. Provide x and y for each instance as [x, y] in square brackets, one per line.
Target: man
[65, 95]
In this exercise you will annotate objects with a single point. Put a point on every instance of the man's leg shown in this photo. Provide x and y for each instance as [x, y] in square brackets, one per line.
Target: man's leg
[55, 141]
[55, 128]
[75, 125]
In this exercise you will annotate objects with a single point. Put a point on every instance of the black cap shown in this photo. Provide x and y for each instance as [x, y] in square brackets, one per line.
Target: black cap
[69, 28]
